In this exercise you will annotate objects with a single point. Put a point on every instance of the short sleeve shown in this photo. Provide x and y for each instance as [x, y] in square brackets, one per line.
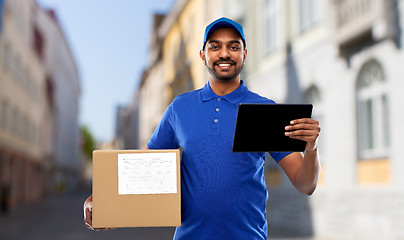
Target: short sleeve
[277, 156]
[164, 134]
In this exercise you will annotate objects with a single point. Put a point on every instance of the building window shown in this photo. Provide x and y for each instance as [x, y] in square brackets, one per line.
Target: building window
[17, 71]
[6, 57]
[15, 122]
[24, 128]
[271, 25]
[1, 50]
[38, 43]
[309, 14]
[373, 112]
[4, 114]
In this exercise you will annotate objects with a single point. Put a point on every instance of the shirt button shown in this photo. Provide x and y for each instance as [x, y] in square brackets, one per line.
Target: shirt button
[216, 120]
[217, 109]
[219, 99]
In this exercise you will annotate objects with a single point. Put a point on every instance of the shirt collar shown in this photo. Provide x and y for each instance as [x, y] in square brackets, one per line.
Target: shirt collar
[234, 97]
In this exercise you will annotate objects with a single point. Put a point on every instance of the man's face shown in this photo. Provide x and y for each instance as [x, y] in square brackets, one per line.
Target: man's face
[224, 54]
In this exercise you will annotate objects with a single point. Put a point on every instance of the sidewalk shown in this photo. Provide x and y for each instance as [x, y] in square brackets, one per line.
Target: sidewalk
[61, 217]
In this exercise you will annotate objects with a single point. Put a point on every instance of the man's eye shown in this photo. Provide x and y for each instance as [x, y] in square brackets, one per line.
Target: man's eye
[214, 47]
[235, 47]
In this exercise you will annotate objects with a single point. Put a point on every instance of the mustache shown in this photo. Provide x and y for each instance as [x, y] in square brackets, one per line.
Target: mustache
[227, 60]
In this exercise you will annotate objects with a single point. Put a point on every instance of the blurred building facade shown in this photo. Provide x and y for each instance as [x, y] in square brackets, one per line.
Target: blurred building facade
[173, 66]
[39, 94]
[62, 74]
[126, 129]
[345, 57]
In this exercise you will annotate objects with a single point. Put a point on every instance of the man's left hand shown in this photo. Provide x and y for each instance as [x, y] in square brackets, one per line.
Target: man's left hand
[305, 129]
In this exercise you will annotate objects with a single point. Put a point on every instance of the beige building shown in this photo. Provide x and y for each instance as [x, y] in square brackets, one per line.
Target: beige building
[23, 131]
[34, 98]
[150, 96]
[174, 63]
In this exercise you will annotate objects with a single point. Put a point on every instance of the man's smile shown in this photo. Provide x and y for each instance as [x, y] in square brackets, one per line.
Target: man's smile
[225, 65]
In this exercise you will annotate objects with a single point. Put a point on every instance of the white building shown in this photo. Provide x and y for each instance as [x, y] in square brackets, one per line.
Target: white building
[344, 57]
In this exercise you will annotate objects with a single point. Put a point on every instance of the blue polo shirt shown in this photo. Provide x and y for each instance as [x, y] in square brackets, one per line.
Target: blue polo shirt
[223, 193]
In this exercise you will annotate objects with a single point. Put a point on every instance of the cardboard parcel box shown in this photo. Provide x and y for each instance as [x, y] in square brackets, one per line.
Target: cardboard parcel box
[136, 188]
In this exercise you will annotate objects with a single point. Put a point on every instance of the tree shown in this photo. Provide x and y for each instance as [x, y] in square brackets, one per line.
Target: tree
[88, 142]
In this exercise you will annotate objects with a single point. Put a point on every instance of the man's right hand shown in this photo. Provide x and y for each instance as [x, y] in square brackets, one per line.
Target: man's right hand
[88, 214]
[87, 210]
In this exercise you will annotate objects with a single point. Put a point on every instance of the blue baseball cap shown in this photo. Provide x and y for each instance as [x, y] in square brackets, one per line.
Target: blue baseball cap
[223, 23]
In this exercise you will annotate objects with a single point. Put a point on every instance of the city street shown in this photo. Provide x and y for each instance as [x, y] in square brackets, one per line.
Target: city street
[61, 217]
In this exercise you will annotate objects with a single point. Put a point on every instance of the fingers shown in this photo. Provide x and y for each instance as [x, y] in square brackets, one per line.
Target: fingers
[88, 219]
[303, 123]
[305, 129]
[88, 215]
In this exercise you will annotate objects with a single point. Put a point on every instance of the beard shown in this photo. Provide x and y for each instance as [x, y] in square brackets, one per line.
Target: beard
[220, 76]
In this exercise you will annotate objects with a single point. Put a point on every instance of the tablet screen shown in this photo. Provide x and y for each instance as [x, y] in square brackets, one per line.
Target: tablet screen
[261, 127]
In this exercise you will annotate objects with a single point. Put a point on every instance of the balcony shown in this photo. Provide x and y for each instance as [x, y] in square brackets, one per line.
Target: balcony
[359, 23]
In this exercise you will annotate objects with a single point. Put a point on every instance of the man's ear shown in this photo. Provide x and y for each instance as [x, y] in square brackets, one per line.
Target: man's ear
[245, 54]
[202, 56]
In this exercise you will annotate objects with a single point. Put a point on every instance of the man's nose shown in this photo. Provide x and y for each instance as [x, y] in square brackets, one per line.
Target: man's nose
[224, 53]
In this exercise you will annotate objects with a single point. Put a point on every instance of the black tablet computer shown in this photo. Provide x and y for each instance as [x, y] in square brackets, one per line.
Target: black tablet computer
[261, 127]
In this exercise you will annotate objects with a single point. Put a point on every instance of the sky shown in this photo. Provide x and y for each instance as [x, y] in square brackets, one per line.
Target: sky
[109, 40]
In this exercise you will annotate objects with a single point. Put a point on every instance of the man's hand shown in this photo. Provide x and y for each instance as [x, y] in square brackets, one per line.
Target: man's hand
[88, 214]
[305, 129]
[87, 210]
[303, 170]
